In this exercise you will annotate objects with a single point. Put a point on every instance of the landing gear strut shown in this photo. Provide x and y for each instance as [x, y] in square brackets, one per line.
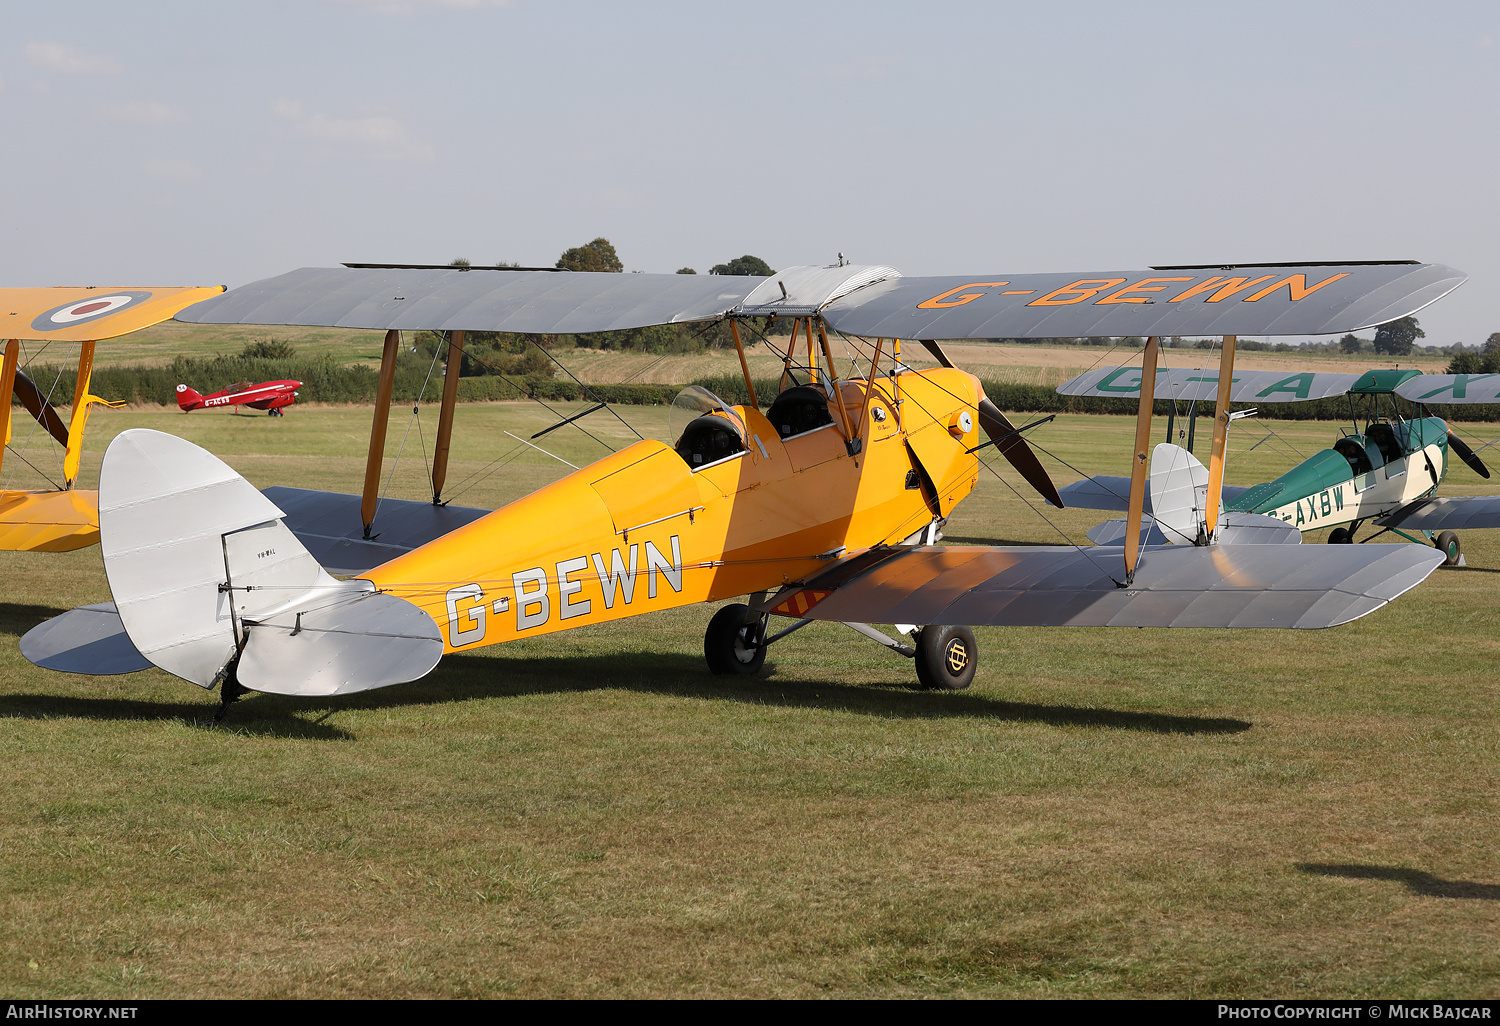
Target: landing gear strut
[946, 656]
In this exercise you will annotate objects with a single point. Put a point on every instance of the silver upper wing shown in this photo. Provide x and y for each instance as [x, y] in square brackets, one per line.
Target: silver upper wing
[1187, 384]
[1307, 299]
[1442, 389]
[869, 300]
[449, 299]
[1108, 492]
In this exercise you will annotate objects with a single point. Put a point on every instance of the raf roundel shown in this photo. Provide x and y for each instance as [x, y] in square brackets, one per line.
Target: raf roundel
[81, 311]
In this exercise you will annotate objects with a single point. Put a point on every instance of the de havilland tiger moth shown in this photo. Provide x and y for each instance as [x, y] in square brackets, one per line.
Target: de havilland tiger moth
[1384, 469]
[826, 505]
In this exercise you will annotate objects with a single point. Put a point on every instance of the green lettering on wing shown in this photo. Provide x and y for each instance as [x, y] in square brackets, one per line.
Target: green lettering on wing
[1300, 385]
[1132, 386]
[1459, 386]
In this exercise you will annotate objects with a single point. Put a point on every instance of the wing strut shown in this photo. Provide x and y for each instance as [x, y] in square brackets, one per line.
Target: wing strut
[445, 417]
[377, 429]
[82, 400]
[1142, 458]
[7, 387]
[1221, 435]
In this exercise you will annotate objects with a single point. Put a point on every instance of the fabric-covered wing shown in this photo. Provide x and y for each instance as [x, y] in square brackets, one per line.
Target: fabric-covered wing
[1176, 586]
[329, 526]
[475, 300]
[1292, 299]
[1443, 389]
[79, 314]
[1186, 384]
[1451, 514]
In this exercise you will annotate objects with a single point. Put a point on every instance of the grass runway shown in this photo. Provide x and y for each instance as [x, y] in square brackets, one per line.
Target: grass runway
[1106, 813]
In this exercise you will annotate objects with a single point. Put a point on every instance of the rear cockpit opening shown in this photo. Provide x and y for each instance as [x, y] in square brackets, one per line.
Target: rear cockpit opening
[706, 428]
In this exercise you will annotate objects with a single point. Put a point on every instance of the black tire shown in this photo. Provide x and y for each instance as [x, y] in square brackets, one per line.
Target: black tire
[1340, 536]
[1447, 544]
[946, 658]
[732, 646]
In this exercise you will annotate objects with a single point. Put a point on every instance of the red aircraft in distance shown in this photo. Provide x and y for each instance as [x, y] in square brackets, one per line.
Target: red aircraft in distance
[270, 396]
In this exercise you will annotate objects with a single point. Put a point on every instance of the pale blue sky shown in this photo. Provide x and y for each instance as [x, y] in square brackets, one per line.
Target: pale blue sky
[216, 143]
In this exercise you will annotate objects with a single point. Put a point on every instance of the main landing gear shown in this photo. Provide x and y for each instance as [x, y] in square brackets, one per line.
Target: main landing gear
[946, 657]
[1445, 542]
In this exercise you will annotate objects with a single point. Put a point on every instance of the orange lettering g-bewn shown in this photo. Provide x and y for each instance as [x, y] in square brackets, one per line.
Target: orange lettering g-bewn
[1085, 288]
[936, 302]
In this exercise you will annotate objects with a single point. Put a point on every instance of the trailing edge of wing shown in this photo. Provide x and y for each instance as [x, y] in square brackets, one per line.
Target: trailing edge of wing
[1294, 299]
[1177, 586]
[1185, 384]
[79, 314]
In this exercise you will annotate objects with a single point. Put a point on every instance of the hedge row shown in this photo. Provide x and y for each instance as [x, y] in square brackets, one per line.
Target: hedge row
[325, 380]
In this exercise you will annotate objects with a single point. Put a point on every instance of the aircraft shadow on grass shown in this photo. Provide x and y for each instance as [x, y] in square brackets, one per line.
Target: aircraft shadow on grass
[464, 678]
[1416, 881]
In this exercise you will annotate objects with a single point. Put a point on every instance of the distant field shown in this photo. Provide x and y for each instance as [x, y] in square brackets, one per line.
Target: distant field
[1106, 813]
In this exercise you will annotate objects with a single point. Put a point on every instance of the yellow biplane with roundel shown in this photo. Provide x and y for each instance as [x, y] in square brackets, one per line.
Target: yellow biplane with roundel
[65, 518]
[823, 502]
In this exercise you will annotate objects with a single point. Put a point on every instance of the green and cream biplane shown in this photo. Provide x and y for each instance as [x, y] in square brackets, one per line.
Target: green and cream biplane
[1385, 469]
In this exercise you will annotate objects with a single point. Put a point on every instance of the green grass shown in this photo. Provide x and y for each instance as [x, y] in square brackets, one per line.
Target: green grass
[1106, 813]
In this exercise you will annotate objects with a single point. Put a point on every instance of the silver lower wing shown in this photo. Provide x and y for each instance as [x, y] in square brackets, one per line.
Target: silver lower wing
[330, 527]
[1175, 586]
[1451, 514]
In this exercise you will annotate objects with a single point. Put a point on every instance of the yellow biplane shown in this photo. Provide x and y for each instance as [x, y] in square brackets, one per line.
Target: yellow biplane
[62, 519]
[824, 504]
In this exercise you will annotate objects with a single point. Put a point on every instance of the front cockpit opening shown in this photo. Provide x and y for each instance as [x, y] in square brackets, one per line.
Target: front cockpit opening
[798, 410]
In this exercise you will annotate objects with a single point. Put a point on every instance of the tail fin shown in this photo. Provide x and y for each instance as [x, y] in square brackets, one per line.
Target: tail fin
[1179, 489]
[209, 582]
[187, 399]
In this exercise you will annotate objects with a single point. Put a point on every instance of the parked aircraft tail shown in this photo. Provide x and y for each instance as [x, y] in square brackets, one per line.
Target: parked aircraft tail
[210, 585]
[188, 399]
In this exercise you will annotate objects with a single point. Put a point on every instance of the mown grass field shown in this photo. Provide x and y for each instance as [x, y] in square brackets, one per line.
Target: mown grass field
[1106, 813]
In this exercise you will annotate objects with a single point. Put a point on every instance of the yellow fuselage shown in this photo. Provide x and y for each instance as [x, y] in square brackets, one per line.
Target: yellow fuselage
[640, 530]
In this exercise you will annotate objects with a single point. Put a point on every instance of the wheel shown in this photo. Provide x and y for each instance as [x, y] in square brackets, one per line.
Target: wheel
[946, 657]
[1447, 544]
[1340, 536]
[733, 646]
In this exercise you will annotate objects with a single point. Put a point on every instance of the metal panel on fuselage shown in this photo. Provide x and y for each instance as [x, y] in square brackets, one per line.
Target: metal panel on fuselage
[558, 558]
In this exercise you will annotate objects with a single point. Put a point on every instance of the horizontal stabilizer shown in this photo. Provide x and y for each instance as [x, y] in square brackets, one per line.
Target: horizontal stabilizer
[89, 639]
[1113, 493]
[1235, 528]
[1112, 532]
[1175, 586]
[1456, 513]
[352, 641]
[330, 527]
